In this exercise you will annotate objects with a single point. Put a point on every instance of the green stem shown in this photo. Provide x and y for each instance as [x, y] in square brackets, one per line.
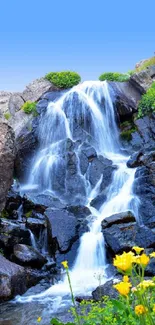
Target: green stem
[72, 297]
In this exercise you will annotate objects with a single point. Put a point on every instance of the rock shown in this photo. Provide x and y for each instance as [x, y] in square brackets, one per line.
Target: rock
[28, 256]
[134, 160]
[4, 102]
[36, 89]
[12, 279]
[122, 217]
[142, 80]
[26, 145]
[36, 225]
[62, 229]
[125, 97]
[99, 200]
[101, 167]
[122, 237]
[105, 290]
[12, 233]
[15, 103]
[7, 155]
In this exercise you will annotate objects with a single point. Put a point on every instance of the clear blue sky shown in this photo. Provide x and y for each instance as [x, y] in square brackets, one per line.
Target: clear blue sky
[89, 37]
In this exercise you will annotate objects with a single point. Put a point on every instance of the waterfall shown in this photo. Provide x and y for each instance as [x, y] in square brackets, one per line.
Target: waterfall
[33, 240]
[90, 105]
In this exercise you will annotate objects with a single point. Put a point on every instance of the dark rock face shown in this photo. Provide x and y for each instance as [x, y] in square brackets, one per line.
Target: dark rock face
[12, 279]
[105, 290]
[7, 155]
[125, 97]
[28, 256]
[122, 237]
[123, 217]
[101, 167]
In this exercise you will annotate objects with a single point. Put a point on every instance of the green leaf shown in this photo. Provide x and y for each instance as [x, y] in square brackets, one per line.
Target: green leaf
[118, 304]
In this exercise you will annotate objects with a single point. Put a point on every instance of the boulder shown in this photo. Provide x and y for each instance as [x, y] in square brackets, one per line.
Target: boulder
[125, 98]
[142, 80]
[15, 103]
[101, 167]
[122, 217]
[134, 160]
[12, 233]
[122, 237]
[99, 200]
[105, 289]
[28, 256]
[36, 89]
[4, 102]
[7, 156]
[13, 279]
[20, 121]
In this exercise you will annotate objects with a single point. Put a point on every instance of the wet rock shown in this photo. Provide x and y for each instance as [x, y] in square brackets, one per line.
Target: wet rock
[122, 217]
[125, 97]
[36, 225]
[12, 279]
[62, 229]
[12, 233]
[13, 203]
[7, 156]
[122, 237]
[53, 95]
[146, 129]
[99, 200]
[105, 290]
[134, 160]
[101, 167]
[28, 256]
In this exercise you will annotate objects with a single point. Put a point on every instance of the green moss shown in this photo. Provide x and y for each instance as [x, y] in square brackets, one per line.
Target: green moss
[126, 124]
[7, 115]
[1, 251]
[114, 76]
[146, 64]
[64, 79]
[146, 105]
[4, 214]
[28, 214]
[30, 108]
[127, 135]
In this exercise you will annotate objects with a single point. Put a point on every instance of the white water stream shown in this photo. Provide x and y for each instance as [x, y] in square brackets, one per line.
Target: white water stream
[95, 108]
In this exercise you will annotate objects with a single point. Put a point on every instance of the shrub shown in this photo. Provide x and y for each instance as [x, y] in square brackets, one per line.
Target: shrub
[7, 115]
[127, 134]
[29, 108]
[147, 103]
[64, 79]
[114, 76]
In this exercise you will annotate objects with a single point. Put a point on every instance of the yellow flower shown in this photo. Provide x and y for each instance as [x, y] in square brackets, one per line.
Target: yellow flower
[154, 308]
[125, 278]
[140, 310]
[39, 319]
[146, 284]
[123, 288]
[142, 259]
[138, 249]
[124, 262]
[152, 254]
[65, 264]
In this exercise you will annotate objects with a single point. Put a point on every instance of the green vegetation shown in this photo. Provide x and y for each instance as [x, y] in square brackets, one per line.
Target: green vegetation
[127, 134]
[1, 251]
[30, 108]
[147, 103]
[114, 76]
[28, 214]
[146, 64]
[64, 79]
[4, 214]
[7, 115]
[135, 304]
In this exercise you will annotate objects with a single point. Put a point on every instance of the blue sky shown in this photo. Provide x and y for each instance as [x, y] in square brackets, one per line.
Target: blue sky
[89, 37]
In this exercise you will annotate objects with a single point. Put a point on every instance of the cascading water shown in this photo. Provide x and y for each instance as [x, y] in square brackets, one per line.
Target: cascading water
[91, 104]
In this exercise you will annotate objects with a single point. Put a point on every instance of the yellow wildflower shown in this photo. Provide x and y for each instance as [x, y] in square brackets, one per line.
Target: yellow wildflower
[142, 259]
[124, 262]
[154, 308]
[140, 310]
[138, 249]
[125, 278]
[123, 288]
[39, 319]
[146, 284]
[152, 254]
[65, 264]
